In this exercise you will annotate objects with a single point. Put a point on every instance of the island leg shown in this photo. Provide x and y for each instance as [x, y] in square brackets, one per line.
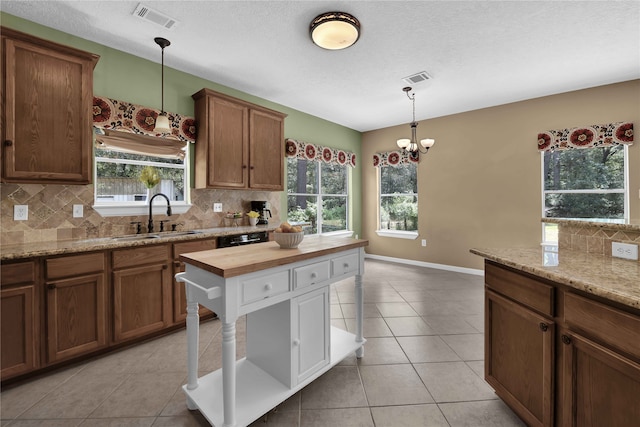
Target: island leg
[193, 336]
[359, 314]
[229, 372]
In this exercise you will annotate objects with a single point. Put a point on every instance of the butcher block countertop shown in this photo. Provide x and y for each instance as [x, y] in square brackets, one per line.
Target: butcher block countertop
[234, 261]
[613, 279]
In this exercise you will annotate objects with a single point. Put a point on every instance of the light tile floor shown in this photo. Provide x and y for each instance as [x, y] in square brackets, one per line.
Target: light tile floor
[423, 366]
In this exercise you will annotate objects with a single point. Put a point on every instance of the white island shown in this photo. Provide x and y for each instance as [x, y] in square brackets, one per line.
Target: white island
[289, 340]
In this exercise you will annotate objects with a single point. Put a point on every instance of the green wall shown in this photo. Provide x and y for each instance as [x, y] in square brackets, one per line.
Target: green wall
[133, 79]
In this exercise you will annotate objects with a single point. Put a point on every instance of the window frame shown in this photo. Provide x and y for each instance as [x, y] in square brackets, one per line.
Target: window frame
[398, 234]
[624, 191]
[319, 196]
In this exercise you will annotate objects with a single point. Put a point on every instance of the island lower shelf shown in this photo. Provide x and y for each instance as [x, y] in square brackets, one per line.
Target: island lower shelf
[257, 392]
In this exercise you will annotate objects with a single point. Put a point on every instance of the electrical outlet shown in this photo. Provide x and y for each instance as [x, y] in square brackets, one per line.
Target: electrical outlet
[21, 212]
[217, 207]
[78, 211]
[424, 242]
[624, 250]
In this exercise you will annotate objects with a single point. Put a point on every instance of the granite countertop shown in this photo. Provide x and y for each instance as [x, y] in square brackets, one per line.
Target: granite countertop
[612, 224]
[610, 278]
[36, 249]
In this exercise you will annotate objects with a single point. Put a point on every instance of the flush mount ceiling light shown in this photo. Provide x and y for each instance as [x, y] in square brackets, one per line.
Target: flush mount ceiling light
[412, 144]
[334, 30]
[162, 121]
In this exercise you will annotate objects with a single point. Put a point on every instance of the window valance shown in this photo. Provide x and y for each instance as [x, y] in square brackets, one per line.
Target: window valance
[395, 158]
[307, 151]
[586, 137]
[122, 116]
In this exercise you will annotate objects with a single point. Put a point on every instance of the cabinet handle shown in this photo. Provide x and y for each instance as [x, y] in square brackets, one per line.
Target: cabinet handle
[346, 265]
[296, 343]
[51, 286]
[314, 275]
[543, 327]
[251, 167]
[268, 287]
[244, 166]
[566, 340]
[177, 264]
[8, 143]
[165, 266]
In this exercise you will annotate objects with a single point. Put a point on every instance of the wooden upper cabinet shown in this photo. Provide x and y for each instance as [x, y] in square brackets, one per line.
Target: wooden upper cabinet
[240, 145]
[47, 92]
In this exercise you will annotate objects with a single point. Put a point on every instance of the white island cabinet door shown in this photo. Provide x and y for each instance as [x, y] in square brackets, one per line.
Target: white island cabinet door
[310, 332]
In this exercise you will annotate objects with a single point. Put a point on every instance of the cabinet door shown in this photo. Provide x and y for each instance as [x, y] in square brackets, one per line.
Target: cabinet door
[48, 91]
[76, 316]
[19, 339]
[179, 294]
[266, 170]
[600, 387]
[228, 145]
[519, 349]
[141, 300]
[310, 332]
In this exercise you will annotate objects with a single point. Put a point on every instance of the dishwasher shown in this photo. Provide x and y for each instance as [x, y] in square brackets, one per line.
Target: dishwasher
[243, 239]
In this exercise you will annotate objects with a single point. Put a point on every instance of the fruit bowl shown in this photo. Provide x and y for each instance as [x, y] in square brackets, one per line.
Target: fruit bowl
[288, 240]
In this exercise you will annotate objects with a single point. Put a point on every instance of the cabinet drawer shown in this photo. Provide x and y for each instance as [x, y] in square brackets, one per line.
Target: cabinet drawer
[75, 265]
[15, 274]
[141, 255]
[264, 287]
[607, 324]
[197, 246]
[530, 292]
[344, 265]
[310, 274]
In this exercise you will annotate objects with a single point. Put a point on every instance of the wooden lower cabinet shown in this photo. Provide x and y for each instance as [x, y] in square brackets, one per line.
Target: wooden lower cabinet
[142, 298]
[599, 386]
[574, 361]
[179, 295]
[19, 309]
[76, 301]
[519, 354]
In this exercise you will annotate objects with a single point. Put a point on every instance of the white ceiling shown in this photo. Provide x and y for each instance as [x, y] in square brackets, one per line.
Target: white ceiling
[479, 53]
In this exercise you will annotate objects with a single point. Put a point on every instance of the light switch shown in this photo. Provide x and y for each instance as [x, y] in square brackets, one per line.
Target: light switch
[78, 211]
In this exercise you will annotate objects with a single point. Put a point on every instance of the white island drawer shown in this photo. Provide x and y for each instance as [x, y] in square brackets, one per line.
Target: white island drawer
[310, 274]
[264, 287]
[344, 265]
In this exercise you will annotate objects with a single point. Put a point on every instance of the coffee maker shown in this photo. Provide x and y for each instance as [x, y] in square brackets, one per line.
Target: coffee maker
[262, 208]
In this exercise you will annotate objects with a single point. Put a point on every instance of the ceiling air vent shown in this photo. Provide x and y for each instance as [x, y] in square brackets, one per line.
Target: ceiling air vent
[158, 18]
[420, 77]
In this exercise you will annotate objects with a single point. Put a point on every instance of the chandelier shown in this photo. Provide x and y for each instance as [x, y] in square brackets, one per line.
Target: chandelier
[411, 145]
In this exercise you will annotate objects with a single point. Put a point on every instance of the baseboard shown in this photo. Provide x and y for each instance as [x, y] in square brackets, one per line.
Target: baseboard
[427, 264]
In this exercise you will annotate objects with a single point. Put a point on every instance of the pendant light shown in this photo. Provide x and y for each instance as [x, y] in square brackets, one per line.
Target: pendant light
[162, 121]
[334, 30]
[411, 145]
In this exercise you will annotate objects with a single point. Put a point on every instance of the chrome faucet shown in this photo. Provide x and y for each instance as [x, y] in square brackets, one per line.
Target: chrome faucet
[150, 225]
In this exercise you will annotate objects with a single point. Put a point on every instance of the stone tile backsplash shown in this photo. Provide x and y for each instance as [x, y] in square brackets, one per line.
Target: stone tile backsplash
[593, 239]
[51, 218]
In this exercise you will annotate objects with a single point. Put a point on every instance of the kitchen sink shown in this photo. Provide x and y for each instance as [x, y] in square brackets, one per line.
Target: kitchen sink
[136, 237]
[178, 233]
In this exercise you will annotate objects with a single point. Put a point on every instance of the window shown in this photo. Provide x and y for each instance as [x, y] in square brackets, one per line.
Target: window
[117, 177]
[584, 183]
[317, 195]
[399, 197]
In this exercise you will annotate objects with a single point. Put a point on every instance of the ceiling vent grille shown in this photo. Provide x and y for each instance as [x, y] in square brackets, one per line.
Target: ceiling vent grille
[156, 17]
[420, 77]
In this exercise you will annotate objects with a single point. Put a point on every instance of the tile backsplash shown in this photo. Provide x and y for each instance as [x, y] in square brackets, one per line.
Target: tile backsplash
[51, 212]
[594, 238]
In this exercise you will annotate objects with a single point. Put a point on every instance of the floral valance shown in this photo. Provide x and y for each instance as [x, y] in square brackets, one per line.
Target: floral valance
[307, 151]
[125, 117]
[586, 137]
[395, 158]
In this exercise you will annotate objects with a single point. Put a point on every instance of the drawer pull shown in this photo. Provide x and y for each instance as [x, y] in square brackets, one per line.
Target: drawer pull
[566, 340]
[314, 275]
[268, 287]
[296, 343]
[345, 265]
[543, 327]
[165, 266]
